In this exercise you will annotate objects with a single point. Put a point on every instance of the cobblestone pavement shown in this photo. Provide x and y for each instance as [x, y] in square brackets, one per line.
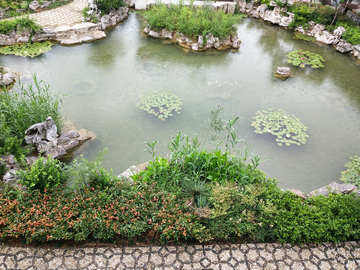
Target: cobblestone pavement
[68, 14]
[246, 256]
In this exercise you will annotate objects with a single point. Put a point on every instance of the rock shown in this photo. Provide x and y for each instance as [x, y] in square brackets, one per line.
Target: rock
[261, 10]
[45, 4]
[46, 130]
[10, 177]
[210, 40]
[344, 47]
[357, 47]
[200, 41]
[126, 175]
[105, 22]
[34, 5]
[63, 31]
[235, 42]
[70, 42]
[8, 78]
[131, 3]
[325, 37]
[283, 72]
[334, 187]
[166, 34]
[154, 34]
[299, 193]
[285, 21]
[273, 16]
[195, 46]
[339, 31]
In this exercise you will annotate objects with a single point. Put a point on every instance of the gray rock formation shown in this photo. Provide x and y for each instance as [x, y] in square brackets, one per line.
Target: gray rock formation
[283, 72]
[8, 78]
[34, 5]
[344, 47]
[273, 16]
[334, 187]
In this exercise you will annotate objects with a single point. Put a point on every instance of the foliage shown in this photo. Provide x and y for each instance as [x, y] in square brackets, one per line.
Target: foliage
[352, 35]
[319, 219]
[105, 6]
[352, 174]
[287, 128]
[301, 58]
[82, 174]
[160, 103]
[299, 35]
[27, 49]
[44, 174]
[20, 23]
[192, 21]
[29, 105]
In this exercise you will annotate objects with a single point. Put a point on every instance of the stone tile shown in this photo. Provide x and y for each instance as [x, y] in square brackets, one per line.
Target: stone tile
[252, 255]
[238, 255]
[156, 259]
[351, 264]
[309, 265]
[325, 265]
[184, 257]
[128, 261]
[171, 258]
[224, 255]
[24, 263]
[114, 260]
[279, 254]
[297, 266]
[272, 266]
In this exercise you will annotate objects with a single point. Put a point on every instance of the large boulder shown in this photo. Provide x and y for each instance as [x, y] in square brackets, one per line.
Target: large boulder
[273, 16]
[34, 5]
[339, 31]
[334, 187]
[325, 37]
[282, 73]
[344, 47]
[8, 78]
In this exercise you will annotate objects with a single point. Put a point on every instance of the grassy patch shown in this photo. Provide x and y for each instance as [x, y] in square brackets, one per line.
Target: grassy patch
[192, 21]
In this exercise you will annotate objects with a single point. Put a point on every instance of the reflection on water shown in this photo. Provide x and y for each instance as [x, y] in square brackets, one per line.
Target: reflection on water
[104, 79]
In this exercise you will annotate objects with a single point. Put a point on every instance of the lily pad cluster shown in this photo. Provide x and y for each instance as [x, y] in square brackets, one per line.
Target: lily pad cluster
[287, 128]
[302, 58]
[160, 103]
[299, 35]
[27, 49]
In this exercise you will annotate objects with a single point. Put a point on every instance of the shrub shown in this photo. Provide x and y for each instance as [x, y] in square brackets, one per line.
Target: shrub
[6, 26]
[44, 174]
[352, 174]
[82, 174]
[20, 23]
[29, 106]
[319, 219]
[352, 35]
[192, 21]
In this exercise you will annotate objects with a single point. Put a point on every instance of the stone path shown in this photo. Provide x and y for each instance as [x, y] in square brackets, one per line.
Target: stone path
[68, 14]
[246, 256]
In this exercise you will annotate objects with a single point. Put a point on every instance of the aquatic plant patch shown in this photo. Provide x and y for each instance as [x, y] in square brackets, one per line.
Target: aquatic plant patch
[160, 103]
[27, 49]
[304, 37]
[287, 128]
[301, 58]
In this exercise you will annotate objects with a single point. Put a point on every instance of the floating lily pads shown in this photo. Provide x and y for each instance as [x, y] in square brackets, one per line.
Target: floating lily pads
[300, 58]
[27, 49]
[160, 103]
[287, 128]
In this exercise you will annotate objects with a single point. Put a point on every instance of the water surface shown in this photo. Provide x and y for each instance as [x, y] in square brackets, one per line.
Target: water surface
[104, 79]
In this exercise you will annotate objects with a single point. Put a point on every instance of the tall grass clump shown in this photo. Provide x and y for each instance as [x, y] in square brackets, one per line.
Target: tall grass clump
[19, 109]
[192, 21]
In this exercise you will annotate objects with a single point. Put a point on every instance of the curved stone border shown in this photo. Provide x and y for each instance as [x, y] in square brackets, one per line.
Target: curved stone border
[245, 256]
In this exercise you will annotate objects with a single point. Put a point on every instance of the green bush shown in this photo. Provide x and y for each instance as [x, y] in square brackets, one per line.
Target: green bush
[192, 21]
[318, 219]
[352, 174]
[352, 35]
[6, 26]
[82, 174]
[44, 174]
[20, 23]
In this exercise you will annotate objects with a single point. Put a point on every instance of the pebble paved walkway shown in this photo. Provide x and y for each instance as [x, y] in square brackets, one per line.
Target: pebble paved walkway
[246, 256]
[68, 14]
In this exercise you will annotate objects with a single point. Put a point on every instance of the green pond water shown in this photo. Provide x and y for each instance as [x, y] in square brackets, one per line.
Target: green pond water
[104, 79]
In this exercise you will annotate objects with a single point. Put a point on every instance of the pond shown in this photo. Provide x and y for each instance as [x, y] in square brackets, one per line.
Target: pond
[101, 82]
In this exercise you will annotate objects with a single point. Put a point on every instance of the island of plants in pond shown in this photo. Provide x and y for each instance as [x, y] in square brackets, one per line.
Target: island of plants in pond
[27, 49]
[287, 128]
[191, 20]
[301, 58]
[160, 103]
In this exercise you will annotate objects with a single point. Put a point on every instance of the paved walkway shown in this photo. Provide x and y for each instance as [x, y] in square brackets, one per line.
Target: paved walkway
[246, 256]
[68, 14]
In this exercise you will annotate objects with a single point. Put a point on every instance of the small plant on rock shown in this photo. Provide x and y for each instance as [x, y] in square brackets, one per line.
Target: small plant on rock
[299, 35]
[301, 58]
[287, 128]
[352, 174]
[160, 103]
